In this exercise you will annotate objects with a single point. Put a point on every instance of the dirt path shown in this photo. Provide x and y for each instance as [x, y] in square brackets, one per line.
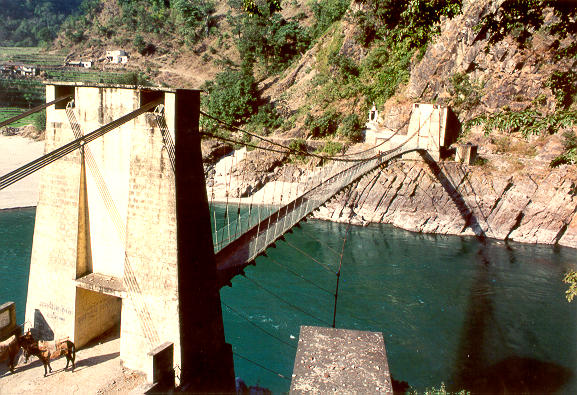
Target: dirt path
[98, 371]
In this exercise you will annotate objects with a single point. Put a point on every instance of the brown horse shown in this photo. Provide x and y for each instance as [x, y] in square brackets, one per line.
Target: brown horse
[9, 348]
[47, 350]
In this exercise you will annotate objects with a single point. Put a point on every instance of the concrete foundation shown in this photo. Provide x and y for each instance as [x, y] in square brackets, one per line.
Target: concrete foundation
[332, 360]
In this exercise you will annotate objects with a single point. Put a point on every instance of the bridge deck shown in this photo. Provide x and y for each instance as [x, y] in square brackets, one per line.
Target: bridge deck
[232, 258]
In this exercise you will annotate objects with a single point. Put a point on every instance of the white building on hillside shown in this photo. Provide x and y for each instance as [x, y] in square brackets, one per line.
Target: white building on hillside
[118, 56]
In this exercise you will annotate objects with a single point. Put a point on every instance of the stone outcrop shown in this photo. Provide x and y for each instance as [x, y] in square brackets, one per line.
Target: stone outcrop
[451, 198]
[502, 74]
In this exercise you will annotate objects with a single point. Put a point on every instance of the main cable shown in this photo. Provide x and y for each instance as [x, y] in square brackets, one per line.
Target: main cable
[37, 164]
[33, 110]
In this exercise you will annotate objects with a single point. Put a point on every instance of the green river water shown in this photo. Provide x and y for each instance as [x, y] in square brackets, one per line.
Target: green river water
[450, 309]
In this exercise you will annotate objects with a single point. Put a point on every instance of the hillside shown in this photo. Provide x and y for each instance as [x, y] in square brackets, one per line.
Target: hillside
[307, 71]
[33, 22]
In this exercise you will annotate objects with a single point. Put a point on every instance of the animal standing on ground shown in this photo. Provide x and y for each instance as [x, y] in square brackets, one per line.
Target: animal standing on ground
[47, 350]
[9, 348]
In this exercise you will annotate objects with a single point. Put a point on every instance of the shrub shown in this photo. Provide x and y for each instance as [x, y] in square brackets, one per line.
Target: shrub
[232, 97]
[193, 18]
[527, 122]
[465, 94]
[142, 47]
[299, 145]
[326, 13]
[38, 119]
[351, 127]
[324, 125]
[414, 21]
[347, 69]
[562, 85]
[331, 148]
[569, 157]
[266, 119]
[384, 69]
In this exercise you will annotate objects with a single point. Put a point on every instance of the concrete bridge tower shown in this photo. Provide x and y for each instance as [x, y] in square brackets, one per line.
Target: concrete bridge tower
[122, 233]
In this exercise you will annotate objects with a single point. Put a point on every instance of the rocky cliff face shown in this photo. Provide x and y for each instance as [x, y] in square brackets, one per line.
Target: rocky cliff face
[515, 195]
[451, 198]
[505, 73]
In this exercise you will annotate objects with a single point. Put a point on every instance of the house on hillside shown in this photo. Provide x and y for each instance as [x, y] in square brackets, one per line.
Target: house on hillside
[79, 63]
[119, 56]
[28, 70]
[19, 69]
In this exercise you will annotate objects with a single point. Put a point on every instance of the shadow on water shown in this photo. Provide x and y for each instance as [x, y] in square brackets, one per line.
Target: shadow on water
[473, 370]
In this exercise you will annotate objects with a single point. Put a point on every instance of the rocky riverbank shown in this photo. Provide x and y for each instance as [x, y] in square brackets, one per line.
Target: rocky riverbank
[451, 198]
[506, 198]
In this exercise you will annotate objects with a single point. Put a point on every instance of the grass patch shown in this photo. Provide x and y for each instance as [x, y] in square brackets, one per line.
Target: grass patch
[9, 112]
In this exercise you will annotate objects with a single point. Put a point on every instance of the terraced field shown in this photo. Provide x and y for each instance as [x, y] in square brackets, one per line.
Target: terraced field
[9, 112]
[37, 119]
[32, 56]
[29, 92]
[21, 93]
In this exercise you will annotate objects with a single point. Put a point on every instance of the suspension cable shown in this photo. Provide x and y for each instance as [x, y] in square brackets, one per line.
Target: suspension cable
[261, 366]
[289, 149]
[284, 300]
[33, 110]
[258, 326]
[339, 274]
[324, 265]
[37, 164]
[299, 275]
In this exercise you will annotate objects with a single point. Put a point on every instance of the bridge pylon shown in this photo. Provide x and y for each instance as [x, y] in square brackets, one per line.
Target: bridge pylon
[122, 238]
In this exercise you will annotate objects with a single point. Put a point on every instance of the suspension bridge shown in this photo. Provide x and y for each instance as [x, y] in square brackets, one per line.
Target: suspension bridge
[156, 185]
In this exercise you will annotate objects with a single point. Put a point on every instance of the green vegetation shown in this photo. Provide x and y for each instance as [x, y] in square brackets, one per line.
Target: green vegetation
[326, 13]
[123, 78]
[323, 125]
[31, 56]
[28, 23]
[186, 20]
[265, 120]
[442, 390]
[571, 279]
[396, 31]
[520, 18]
[527, 122]
[232, 98]
[9, 112]
[351, 128]
[21, 93]
[299, 145]
[37, 119]
[414, 21]
[465, 94]
[331, 148]
[264, 38]
[569, 157]
[563, 85]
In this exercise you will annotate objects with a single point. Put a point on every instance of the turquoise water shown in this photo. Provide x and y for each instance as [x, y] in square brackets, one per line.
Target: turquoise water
[451, 310]
[16, 231]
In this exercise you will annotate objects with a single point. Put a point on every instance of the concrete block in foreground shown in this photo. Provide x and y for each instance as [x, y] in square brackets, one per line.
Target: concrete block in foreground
[340, 360]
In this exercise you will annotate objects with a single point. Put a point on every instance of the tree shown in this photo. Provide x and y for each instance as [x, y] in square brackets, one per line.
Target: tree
[232, 97]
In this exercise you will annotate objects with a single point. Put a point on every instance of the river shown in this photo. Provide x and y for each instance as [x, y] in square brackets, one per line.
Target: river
[451, 310]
